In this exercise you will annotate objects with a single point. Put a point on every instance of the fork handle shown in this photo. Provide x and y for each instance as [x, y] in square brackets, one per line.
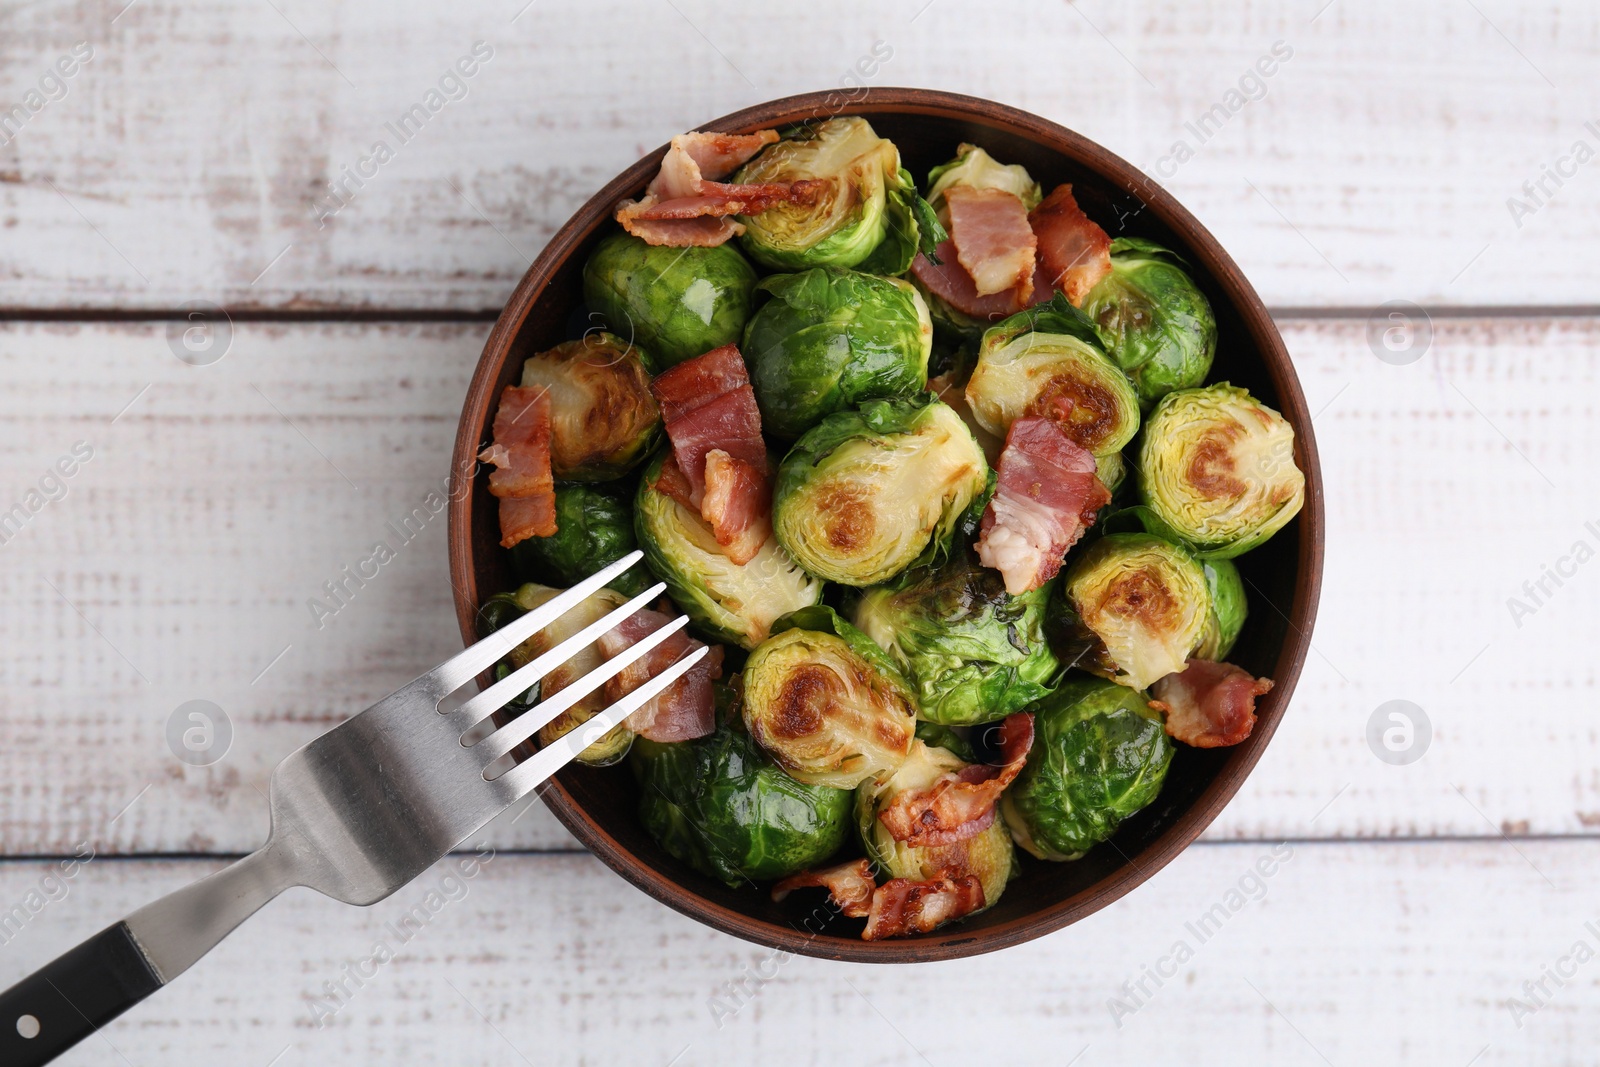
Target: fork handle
[67, 1000]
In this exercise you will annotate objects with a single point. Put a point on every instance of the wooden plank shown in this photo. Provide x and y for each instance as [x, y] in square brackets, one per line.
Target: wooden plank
[179, 564]
[185, 159]
[1344, 953]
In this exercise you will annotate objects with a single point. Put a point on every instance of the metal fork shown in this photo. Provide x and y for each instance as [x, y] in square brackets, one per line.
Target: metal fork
[356, 814]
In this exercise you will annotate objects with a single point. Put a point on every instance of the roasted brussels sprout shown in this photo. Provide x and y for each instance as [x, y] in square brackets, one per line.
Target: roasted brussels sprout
[831, 338]
[867, 213]
[1136, 609]
[594, 528]
[1155, 323]
[975, 653]
[603, 420]
[1099, 755]
[988, 854]
[1112, 470]
[1217, 471]
[676, 303]
[614, 745]
[976, 168]
[826, 702]
[721, 805]
[865, 493]
[1048, 361]
[1228, 609]
[726, 600]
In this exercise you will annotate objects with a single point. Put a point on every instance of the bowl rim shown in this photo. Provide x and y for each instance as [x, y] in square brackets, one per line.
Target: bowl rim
[951, 942]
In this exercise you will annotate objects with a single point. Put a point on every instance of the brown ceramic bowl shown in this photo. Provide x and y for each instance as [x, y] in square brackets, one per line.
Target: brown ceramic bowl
[598, 806]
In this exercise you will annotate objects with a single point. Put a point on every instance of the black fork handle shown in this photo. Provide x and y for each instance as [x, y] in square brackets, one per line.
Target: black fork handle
[71, 998]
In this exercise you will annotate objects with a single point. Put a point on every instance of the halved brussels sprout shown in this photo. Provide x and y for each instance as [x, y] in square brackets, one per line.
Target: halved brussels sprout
[1228, 609]
[722, 806]
[1099, 755]
[867, 215]
[864, 494]
[677, 303]
[614, 745]
[1217, 470]
[826, 702]
[988, 854]
[1155, 323]
[974, 653]
[1111, 469]
[594, 528]
[831, 338]
[727, 601]
[978, 169]
[1048, 361]
[1137, 607]
[603, 420]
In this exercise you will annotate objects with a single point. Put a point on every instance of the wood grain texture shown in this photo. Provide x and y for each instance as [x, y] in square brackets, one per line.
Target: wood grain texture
[215, 507]
[1395, 954]
[185, 159]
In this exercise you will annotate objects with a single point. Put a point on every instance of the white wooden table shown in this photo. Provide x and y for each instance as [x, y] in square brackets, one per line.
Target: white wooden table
[185, 161]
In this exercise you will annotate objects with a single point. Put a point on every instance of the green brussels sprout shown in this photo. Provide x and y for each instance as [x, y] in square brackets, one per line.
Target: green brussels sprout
[594, 528]
[1154, 321]
[721, 805]
[935, 735]
[1228, 609]
[831, 338]
[1048, 361]
[1217, 471]
[826, 702]
[1099, 755]
[975, 653]
[1136, 608]
[866, 494]
[677, 303]
[614, 744]
[603, 420]
[726, 600]
[978, 169]
[1111, 469]
[868, 215]
[988, 854]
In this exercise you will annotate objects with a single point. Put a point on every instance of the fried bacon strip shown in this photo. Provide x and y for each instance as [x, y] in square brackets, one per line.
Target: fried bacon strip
[1074, 253]
[849, 884]
[687, 709]
[719, 462]
[1046, 495]
[960, 804]
[520, 454]
[1209, 704]
[994, 242]
[902, 906]
[685, 204]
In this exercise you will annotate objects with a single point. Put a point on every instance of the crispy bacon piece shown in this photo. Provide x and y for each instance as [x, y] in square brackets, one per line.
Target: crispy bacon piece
[950, 282]
[687, 709]
[1047, 494]
[960, 804]
[520, 454]
[719, 459]
[1209, 704]
[902, 906]
[737, 504]
[849, 884]
[993, 240]
[685, 204]
[1074, 253]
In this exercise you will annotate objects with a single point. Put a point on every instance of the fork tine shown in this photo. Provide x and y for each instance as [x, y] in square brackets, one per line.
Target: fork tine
[501, 693]
[529, 774]
[467, 664]
[529, 722]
